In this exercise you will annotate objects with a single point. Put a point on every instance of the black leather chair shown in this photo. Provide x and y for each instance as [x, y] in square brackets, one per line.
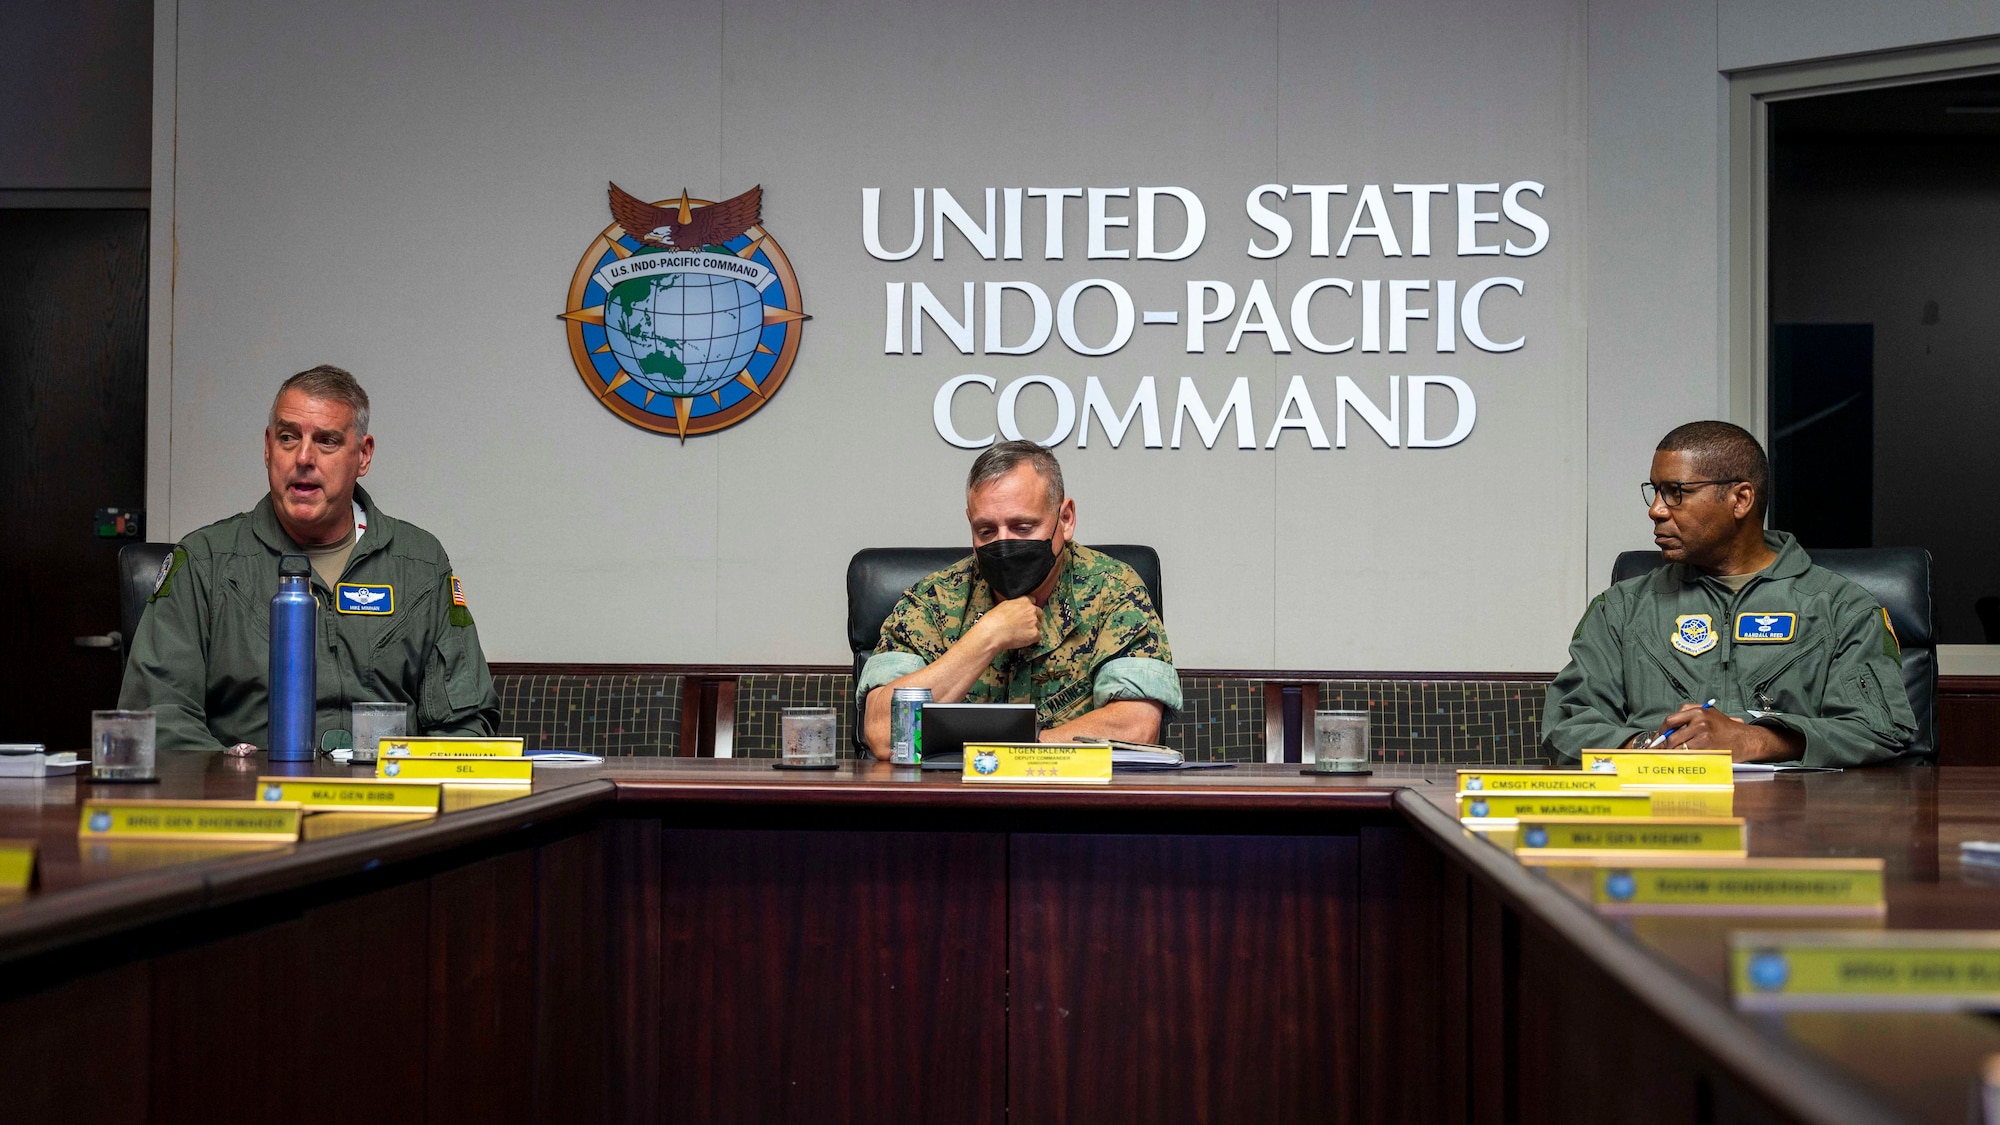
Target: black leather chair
[878, 576]
[1900, 579]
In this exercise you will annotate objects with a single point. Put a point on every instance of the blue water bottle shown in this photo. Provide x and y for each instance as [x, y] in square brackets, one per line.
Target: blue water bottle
[294, 668]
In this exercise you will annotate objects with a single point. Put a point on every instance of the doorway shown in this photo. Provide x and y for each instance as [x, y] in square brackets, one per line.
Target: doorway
[73, 327]
[1884, 343]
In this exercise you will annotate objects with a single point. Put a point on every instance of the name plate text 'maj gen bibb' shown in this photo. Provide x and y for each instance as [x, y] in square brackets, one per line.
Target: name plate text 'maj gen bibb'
[329, 794]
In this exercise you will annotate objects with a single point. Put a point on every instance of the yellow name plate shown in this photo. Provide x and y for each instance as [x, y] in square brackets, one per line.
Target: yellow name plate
[458, 798]
[326, 825]
[327, 794]
[1538, 838]
[233, 821]
[1512, 806]
[17, 865]
[1038, 763]
[1537, 781]
[1691, 802]
[476, 770]
[441, 746]
[1692, 885]
[1639, 768]
[1909, 970]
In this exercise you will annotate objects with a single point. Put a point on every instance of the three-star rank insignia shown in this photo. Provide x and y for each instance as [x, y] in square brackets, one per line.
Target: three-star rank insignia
[1694, 633]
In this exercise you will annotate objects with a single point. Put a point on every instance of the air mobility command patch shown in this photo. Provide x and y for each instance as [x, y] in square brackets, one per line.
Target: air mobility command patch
[1766, 628]
[1694, 633]
[366, 598]
[169, 566]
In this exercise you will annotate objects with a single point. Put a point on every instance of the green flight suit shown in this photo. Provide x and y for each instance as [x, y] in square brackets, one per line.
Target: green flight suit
[1101, 640]
[201, 655]
[1650, 644]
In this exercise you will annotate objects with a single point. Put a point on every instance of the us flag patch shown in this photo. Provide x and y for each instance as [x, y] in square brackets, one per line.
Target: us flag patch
[458, 592]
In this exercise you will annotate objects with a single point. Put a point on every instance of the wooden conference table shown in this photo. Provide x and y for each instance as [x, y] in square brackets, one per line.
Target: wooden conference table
[714, 941]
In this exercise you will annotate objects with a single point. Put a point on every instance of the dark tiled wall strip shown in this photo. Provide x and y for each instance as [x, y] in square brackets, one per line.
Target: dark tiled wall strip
[1467, 722]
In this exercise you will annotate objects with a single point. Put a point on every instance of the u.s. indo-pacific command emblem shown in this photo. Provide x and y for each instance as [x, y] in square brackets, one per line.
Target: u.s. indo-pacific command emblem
[684, 315]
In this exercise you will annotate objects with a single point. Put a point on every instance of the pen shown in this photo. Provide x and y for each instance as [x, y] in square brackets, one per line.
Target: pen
[1664, 732]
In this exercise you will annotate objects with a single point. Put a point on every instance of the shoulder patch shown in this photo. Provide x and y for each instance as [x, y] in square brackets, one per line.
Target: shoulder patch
[1594, 604]
[163, 584]
[1892, 646]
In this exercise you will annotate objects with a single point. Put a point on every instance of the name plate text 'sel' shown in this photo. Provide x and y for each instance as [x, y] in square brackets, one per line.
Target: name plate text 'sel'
[237, 821]
[510, 770]
[1509, 806]
[1038, 763]
[1634, 767]
[1720, 886]
[1538, 838]
[17, 865]
[328, 794]
[1537, 781]
[1908, 970]
[443, 746]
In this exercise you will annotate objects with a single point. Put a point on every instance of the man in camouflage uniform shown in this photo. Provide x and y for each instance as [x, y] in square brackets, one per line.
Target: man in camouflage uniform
[393, 621]
[1802, 664]
[1031, 617]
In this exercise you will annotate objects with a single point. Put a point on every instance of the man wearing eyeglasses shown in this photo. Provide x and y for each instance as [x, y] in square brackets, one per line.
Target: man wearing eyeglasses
[1739, 643]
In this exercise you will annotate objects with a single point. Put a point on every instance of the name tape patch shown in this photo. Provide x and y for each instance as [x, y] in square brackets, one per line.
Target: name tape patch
[365, 598]
[1766, 628]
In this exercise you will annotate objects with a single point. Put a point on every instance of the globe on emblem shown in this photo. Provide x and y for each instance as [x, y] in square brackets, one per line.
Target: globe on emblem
[684, 334]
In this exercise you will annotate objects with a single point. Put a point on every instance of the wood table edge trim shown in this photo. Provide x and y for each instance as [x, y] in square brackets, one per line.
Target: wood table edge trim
[73, 915]
[1807, 1086]
[1132, 797]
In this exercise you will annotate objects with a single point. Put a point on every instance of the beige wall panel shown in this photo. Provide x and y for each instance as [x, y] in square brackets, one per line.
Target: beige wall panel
[1768, 32]
[1438, 558]
[405, 192]
[822, 102]
[1656, 254]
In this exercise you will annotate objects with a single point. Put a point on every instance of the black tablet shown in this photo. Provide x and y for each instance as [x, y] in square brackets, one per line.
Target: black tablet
[949, 726]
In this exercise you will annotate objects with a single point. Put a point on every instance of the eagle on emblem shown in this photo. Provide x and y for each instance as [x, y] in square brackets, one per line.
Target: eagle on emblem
[685, 227]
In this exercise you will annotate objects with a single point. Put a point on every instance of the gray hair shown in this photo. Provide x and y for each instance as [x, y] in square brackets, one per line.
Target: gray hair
[331, 384]
[999, 460]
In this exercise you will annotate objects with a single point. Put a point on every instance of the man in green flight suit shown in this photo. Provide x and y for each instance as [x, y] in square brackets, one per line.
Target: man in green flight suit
[1031, 616]
[393, 621]
[1801, 663]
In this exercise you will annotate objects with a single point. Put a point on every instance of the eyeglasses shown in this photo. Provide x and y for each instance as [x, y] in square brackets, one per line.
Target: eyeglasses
[1675, 491]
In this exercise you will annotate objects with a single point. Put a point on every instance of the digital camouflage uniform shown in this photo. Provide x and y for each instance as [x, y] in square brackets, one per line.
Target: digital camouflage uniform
[1800, 648]
[201, 656]
[1101, 641]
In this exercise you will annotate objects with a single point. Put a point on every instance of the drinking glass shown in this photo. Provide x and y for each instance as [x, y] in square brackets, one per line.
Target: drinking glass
[121, 745]
[374, 722]
[1340, 741]
[807, 735]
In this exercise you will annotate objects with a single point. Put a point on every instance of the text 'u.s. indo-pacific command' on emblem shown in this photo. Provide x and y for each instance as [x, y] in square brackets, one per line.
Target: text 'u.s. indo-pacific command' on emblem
[684, 316]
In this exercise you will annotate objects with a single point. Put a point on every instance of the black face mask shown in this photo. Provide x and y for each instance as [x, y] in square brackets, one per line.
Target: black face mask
[1014, 567]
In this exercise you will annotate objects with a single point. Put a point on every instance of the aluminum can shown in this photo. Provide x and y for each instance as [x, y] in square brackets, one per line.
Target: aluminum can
[906, 725]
